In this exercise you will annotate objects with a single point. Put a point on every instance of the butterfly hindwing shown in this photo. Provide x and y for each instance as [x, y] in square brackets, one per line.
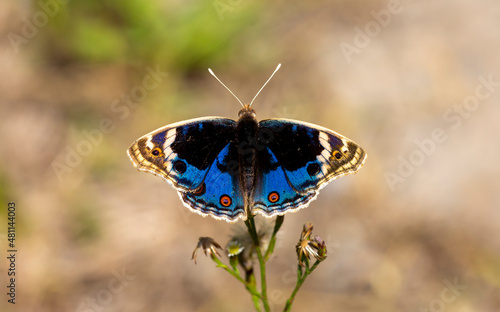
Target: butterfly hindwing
[273, 192]
[303, 159]
[220, 194]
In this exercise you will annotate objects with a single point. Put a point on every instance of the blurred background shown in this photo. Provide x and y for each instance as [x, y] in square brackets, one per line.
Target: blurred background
[415, 83]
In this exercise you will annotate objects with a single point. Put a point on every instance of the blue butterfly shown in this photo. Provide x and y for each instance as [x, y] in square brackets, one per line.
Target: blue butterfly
[231, 169]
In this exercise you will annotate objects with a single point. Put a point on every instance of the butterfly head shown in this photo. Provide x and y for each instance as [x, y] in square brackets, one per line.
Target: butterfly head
[246, 111]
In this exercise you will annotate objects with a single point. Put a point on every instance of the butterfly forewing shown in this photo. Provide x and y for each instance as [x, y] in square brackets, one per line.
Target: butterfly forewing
[182, 153]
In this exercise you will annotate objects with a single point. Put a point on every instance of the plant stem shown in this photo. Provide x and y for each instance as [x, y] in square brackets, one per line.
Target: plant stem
[250, 223]
[300, 280]
[249, 286]
[272, 241]
[255, 299]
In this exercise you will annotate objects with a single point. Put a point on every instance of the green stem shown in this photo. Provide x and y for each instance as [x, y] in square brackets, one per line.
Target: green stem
[255, 299]
[249, 286]
[250, 223]
[272, 241]
[300, 280]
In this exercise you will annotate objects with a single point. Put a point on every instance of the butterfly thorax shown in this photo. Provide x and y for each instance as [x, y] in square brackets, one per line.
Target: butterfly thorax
[247, 129]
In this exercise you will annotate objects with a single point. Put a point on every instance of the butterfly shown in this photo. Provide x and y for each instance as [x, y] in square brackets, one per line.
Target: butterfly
[233, 169]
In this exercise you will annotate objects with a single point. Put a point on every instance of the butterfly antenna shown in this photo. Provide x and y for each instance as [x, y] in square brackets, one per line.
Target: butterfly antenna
[278, 67]
[211, 72]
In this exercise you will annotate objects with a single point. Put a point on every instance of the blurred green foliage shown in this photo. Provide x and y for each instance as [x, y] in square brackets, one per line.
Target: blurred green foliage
[133, 32]
[85, 224]
[5, 193]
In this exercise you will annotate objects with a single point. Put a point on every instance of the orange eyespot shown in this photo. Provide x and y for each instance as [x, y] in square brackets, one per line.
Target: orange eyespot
[225, 200]
[156, 151]
[337, 155]
[201, 190]
[273, 197]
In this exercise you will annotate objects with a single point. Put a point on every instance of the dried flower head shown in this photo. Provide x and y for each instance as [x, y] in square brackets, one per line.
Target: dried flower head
[320, 247]
[307, 247]
[209, 247]
[306, 231]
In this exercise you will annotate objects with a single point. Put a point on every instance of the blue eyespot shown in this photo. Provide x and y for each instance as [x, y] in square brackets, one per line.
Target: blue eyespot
[313, 169]
[180, 166]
